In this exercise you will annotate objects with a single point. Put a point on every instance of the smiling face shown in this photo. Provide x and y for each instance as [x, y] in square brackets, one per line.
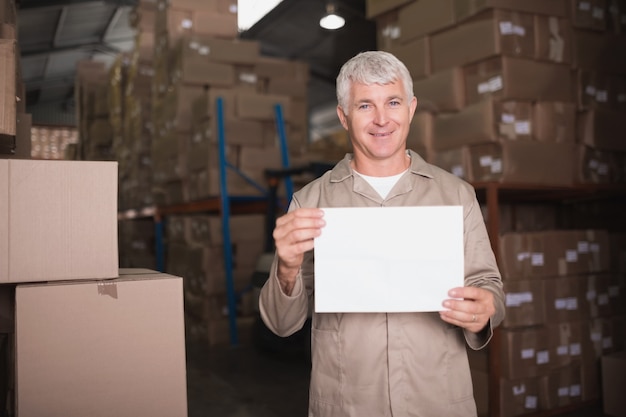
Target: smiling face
[378, 119]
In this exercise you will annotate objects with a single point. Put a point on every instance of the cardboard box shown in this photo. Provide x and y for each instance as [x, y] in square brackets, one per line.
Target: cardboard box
[562, 299]
[467, 8]
[602, 129]
[519, 396]
[554, 121]
[553, 39]
[112, 347]
[455, 161]
[58, 220]
[588, 14]
[254, 106]
[560, 388]
[566, 343]
[523, 162]
[7, 86]
[494, 32]
[424, 17]
[486, 121]
[594, 166]
[415, 54]
[442, 91]
[613, 382]
[594, 90]
[524, 352]
[598, 51]
[508, 78]
[374, 8]
[524, 303]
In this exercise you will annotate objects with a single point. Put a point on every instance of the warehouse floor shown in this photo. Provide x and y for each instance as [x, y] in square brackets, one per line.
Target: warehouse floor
[241, 381]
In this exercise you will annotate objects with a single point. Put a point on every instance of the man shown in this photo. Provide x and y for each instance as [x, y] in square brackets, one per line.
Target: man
[383, 364]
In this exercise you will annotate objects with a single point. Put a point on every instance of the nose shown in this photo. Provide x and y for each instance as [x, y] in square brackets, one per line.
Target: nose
[380, 116]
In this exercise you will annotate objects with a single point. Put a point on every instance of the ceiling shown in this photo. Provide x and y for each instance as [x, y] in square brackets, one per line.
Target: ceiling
[54, 34]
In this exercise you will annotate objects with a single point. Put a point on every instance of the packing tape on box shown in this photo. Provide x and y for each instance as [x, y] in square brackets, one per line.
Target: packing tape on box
[107, 288]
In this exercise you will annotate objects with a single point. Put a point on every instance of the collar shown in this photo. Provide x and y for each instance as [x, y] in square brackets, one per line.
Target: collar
[418, 166]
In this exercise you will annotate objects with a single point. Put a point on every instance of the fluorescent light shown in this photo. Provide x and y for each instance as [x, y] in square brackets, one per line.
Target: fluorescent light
[332, 20]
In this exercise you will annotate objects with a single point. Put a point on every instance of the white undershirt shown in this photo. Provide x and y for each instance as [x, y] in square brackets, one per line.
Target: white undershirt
[382, 185]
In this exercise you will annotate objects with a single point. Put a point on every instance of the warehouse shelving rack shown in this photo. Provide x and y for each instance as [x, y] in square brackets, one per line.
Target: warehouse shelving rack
[494, 193]
[224, 204]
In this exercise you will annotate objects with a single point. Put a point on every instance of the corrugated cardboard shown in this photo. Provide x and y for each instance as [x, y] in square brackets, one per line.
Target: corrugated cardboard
[416, 56]
[553, 40]
[108, 348]
[486, 121]
[566, 341]
[425, 17]
[261, 107]
[554, 121]
[594, 166]
[495, 32]
[524, 353]
[613, 381]
[7, 86]
[58, 220]
[421, 133]
[374, 8]
[517, 79]
[442, 91]
[524, 303]
[562, 299]
[602, 129]
[588, 14]
[455, 161]
[560, 388]
[467, 8]
[519, 396]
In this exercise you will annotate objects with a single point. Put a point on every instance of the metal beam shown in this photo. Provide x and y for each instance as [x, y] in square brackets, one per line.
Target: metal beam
[38, 4]
[89, 47]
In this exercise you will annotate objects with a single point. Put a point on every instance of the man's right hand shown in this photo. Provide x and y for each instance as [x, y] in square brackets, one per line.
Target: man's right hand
[293, 236]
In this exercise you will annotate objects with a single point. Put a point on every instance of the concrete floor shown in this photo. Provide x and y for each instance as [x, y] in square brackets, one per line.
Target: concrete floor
[241, 381]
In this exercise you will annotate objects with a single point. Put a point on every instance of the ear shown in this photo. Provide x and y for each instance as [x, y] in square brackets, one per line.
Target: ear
[412, 108]
[342, 117]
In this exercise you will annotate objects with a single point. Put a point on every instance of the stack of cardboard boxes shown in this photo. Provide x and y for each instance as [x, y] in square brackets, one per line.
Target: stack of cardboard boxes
[530, 93]
[15, 123]
[77, 333]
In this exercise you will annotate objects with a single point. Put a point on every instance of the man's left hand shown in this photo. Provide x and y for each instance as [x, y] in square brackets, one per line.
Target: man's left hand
[470, 308]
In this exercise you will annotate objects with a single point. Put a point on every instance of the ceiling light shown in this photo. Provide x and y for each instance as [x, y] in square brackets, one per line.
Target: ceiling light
[331, 20]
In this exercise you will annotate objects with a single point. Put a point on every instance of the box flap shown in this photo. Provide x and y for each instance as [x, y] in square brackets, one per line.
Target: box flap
[4, 220]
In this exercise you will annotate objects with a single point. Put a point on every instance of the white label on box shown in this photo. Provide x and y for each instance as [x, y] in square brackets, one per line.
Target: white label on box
[603, 169]
[536, 259]
[506, 28]
[391, 32]
[527, 353]
[583, 246]
[204, 50]
[563, 392]
[571, 255]
[590, 90]
[508, 118]
[543, 357]
[584, 5]
[523, 256]
[591, 294]
[516, 299]
[531, 402]
[593, 164]
[596, 336]
[560, 303]
[248, 77]
[186, 24]
[485, 160]
[574, 349]
[496, 166]
[562, 350]
[519, 389]
[571, 303]
[594, 247]
[574, 390]
[614, 291]
[522, 128]
[607, 343]
[602, 96]
[491, 85]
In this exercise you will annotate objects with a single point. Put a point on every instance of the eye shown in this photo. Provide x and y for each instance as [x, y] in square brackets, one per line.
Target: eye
[394, 103]
[364, 106]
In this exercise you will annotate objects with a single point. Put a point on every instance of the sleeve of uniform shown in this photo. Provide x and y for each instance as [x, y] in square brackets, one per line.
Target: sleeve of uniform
[284, 314]
[481, 269]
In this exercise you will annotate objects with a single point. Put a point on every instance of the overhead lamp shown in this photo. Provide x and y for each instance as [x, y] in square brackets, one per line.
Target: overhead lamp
[331, 20]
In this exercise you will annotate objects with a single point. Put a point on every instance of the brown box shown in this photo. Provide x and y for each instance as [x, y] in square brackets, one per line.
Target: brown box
[442, 91]
[562, 299]
[508, 78]
[560, 388]
[613, 383]
[486, 121]
[425, 17]
[100, 341]
[553, 39]
[387, 30]
[554, 121]
[421, 133]
[595, 90]
[598, 52]
[594, 166]
[602, 129]
[588, 14]
[455, 161]
[524, 352]
[7, 86]
[523, 162]
[466, 8]
[524, 303]
[374, 8]
[261, 107]
[58, 220]
[416, 56]
[566, 343]
[494, 32]
[519, 396]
